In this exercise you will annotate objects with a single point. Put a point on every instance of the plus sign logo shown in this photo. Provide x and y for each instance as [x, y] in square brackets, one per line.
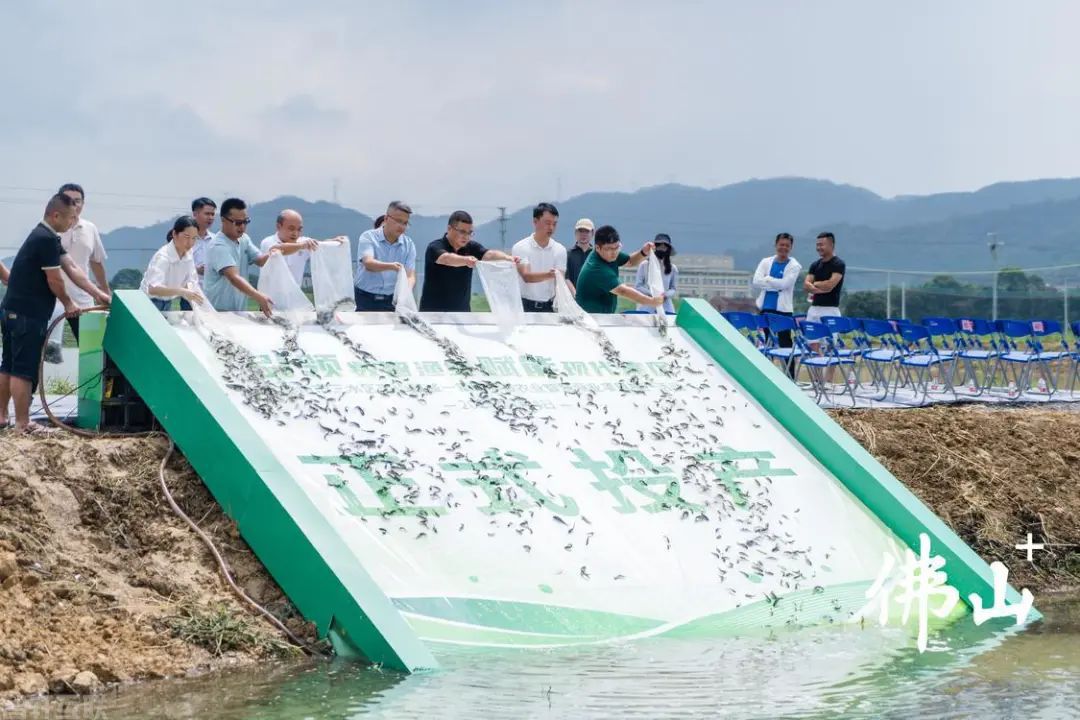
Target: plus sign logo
[1030, 547]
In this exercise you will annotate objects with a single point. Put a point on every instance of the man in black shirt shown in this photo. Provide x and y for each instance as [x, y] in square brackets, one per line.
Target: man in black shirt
[575, 256]
[34, 286]
[448, 265]
[825, 280]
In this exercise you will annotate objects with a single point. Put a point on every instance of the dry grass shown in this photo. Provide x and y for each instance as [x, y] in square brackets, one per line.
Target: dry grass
[993, 474]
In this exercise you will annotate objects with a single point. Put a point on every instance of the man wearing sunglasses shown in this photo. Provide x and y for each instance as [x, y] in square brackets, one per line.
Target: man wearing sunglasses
[230, 256]
[448, 266]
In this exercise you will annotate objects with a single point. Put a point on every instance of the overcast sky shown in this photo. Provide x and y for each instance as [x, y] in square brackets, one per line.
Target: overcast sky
[477, 104]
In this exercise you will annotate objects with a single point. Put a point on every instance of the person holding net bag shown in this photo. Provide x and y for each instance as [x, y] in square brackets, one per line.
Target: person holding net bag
[598, 288]
[448, 266]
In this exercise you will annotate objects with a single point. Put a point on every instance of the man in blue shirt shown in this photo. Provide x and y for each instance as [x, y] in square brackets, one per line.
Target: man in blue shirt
[380, 254]
[230, 255]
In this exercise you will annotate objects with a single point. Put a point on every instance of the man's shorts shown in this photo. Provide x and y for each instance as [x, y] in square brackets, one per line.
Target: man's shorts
[23, 339]
[815, 312]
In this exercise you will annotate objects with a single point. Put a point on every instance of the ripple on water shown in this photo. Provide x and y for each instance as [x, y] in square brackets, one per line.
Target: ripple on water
[824, 672]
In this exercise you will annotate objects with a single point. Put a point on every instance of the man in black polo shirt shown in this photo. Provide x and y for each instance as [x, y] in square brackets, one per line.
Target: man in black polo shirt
[448, 265]
[34, 287]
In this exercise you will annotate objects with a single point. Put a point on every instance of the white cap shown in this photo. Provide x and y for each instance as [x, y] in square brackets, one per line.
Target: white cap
[585, 223]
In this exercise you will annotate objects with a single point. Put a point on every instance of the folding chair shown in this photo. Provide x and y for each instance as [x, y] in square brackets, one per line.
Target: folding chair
[881, 358]
[1041, 330]
[944, 335]
[916, 363]
[816, 363]
[1074, 379]
[979, 355]
[787, 356]
[746, 324]
[846, 339]
[1016, 335]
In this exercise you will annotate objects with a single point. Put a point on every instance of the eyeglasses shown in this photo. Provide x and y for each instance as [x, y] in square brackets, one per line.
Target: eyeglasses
[399, 221]
[241, 222]
[466, 233]
[610, 246]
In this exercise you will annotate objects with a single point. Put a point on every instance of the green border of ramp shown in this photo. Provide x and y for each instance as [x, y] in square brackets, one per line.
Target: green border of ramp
[290, 536]
[866, 479]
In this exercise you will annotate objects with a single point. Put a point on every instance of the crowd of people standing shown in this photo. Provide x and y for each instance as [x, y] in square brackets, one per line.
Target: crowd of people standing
[60, 271]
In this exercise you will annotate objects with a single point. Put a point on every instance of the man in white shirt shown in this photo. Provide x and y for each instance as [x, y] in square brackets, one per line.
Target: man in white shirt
[540, 257]
[775, 277]
[290, 228]
[203, 210]
[82, 243]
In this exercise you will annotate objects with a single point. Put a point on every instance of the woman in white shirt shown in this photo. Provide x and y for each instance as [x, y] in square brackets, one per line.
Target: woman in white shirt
[776, 276]
[171, 272]
[664, 250]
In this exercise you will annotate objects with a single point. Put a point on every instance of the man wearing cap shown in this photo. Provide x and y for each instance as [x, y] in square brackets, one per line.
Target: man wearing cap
[575, 257]
[540, 257]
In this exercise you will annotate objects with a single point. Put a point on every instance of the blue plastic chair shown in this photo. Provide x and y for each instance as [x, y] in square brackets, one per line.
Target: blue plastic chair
[786, 356]
[881, 360]
[915, 365]
[979, 355]
[1023, 356]
[1074, 378]
[816, 363]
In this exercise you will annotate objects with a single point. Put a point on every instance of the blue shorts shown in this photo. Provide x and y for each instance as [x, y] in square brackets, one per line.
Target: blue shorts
[23, 339]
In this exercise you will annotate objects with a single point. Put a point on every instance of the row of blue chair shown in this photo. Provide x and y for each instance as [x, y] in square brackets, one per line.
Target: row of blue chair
[971, 353]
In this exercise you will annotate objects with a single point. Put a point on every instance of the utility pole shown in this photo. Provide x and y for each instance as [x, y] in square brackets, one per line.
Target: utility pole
[1065, 287]
[888, 294]
[994, 244]
[502, 227]
[903, 301]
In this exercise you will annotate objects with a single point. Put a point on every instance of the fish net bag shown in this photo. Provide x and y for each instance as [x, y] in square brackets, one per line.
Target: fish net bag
[276, 281]
[656, 280]
[502, 286]
[404, 301]
[332, 275]
[565, 304]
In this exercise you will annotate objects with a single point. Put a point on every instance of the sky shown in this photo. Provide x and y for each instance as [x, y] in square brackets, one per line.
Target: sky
[480, 104]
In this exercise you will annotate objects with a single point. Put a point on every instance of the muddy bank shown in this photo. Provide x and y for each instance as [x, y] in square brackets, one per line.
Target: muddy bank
[993, 475]
[101, 583]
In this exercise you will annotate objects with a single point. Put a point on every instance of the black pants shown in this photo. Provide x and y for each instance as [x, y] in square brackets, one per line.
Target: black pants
[783, 339]
[73, 323]
[370, 302]
[537, 306]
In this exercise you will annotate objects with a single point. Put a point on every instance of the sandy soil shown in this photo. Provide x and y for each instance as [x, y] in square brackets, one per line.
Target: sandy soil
[100, 583]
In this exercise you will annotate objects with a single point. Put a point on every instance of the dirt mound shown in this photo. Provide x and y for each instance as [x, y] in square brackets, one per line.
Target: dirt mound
[100, 582]
[994, 475]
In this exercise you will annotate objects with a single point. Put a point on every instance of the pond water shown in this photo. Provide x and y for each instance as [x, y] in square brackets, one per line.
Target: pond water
[820, 673]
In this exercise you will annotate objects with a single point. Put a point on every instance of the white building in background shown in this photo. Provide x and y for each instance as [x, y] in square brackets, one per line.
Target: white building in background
[705, 276]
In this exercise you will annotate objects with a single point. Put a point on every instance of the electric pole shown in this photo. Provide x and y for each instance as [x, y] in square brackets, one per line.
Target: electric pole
[993, 243]
[502, 228]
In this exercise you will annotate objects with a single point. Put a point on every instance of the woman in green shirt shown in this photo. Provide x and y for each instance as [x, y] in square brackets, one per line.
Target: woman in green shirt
[598, 286]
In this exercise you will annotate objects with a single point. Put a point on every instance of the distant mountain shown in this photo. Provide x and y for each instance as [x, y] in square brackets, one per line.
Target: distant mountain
[1039, 221]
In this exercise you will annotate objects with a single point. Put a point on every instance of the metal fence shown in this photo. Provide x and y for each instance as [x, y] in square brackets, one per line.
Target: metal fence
[1049, 293]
